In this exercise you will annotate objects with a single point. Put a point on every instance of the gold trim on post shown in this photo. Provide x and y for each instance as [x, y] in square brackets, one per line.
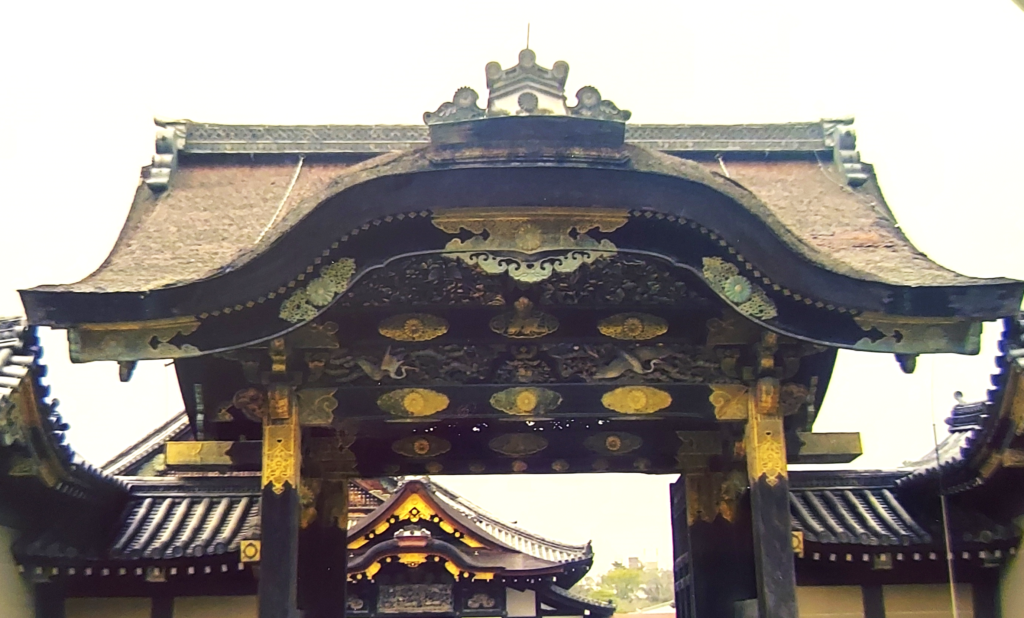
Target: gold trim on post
[281, 448]
[765, 438]
[201, 453]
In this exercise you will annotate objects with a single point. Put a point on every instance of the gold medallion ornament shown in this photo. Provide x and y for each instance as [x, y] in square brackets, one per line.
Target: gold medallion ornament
[305, 303]
[524, 321]
[633, 326]
[613, 443]
[748, 298]
[421, 446]
[413, 327]
[518, 444]
[413, 402]
[526, 401]
[249, 551]
[636, 400]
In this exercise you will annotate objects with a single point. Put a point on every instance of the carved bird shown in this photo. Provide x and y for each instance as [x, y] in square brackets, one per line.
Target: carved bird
[390, 365]
[632, 362]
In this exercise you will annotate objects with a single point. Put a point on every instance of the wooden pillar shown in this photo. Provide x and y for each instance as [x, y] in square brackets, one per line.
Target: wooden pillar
[328, 597]
[279, 509]
[769, 497]
[714, 553]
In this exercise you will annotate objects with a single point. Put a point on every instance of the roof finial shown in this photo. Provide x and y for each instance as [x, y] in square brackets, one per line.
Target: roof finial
[527, 35]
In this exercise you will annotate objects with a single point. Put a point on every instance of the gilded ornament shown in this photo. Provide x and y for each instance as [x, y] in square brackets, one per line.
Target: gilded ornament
[765, 439]
[636, 400]
[633, 326]
[642, 464]
[413, 402]
[316, 406]
[252, 402]
[413, 327]
[526, 401]
[130, 341]
[507, 243]
[304, 303]
[749, 299]
[518, 444]
[798, 543]
[519, 466]
[421, 446]
[249, 551]
[524, 321]
[309, 489]
[599, 465]
[730, 401]
[613, 443]
[560, 465]
[917, 335]
[280, 459]
[434, 467]
[197, 453]
[314, 336]
[477, 468]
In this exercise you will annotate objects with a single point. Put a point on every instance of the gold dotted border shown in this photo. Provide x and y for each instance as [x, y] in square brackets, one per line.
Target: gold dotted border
[744, 264]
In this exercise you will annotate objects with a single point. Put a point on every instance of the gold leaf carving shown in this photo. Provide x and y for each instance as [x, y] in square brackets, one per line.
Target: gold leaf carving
[633, 326]
[518, 444]
[713, 494]
[730, 401]
[421, 446]
[636, 400]
[917, 335]
[765, 438]
[128, 341]
[316, 406]
[748, 298]
[505, 244]
[280, 459]
[315, 336]
[613, 443]
[798, 543]
[413, 327]
[526, 401]
[524, 321]
[413, 402]
[249, 551]
[305, 303]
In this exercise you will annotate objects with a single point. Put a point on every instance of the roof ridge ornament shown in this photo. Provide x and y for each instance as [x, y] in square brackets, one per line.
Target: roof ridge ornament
[526, 89]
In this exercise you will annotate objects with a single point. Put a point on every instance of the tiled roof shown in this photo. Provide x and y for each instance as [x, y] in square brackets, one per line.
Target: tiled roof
[854, 516]
[17, 353]
[172, 524]
[978, 431]
[512, 536]
[129, 461]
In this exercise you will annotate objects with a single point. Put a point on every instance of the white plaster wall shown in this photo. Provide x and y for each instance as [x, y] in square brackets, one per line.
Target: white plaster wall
[101, 607]
[520, 604]
[16, 598]
[216, 607]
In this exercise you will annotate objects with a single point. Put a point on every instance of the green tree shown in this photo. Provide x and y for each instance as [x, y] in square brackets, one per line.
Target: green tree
[629, 588]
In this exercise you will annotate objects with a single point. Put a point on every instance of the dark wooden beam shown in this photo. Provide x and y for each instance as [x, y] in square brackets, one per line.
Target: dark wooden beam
[279, 509]
[326, 592]
[874, 602]
[713, 546]
[769, 499]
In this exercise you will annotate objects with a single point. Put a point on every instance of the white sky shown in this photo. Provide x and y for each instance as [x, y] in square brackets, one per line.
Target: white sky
[936, 88]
